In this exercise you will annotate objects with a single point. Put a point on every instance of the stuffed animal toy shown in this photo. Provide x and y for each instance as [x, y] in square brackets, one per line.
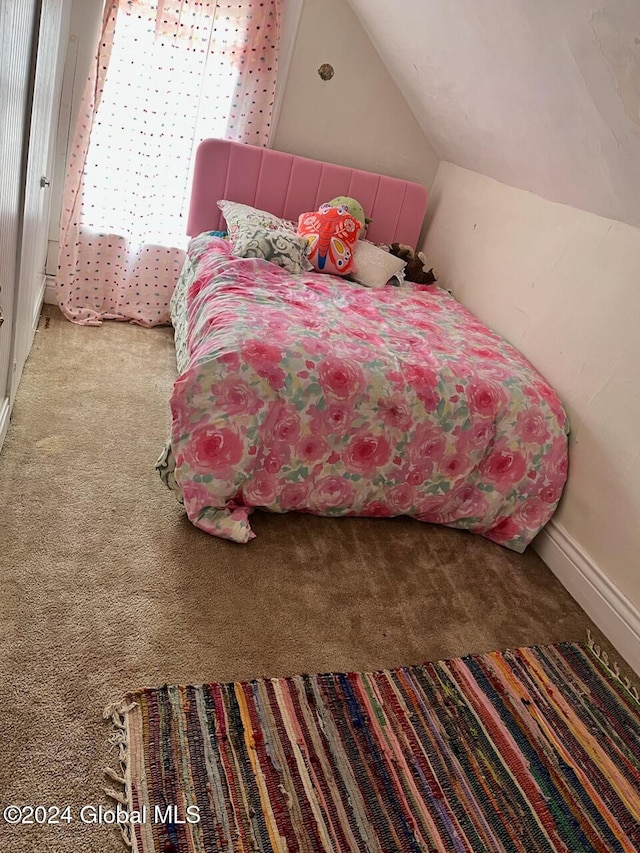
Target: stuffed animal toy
[330, 233]
[353, 207]
[416, 262]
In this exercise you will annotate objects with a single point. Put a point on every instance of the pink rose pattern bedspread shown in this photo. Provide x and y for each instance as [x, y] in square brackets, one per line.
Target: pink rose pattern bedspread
[312, 393]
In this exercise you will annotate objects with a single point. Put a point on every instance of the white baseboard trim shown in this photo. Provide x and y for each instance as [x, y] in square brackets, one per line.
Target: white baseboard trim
[50, 291]
[599, 597]
[5, 411]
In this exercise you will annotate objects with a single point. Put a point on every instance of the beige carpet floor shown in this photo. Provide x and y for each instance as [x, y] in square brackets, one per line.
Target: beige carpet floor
[107, 587]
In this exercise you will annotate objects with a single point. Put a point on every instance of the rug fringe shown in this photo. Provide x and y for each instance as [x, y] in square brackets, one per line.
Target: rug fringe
[613, 668]
[116, 713]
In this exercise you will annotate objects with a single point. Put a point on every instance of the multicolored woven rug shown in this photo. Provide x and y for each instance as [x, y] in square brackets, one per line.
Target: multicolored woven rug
[532, 750]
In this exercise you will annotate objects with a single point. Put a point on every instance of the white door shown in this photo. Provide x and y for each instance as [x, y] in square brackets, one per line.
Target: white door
[18, 22]
[54, 15]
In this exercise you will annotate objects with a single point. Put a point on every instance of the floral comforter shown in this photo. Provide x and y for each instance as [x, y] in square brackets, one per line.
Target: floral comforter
[312, 393]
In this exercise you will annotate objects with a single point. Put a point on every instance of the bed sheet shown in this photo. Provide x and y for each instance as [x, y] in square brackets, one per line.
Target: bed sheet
[314, 394]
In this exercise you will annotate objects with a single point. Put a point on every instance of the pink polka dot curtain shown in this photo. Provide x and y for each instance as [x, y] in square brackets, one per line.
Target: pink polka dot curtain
[168, 73]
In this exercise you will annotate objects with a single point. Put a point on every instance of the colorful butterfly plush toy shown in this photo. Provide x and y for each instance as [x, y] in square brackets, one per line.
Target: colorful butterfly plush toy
[330, 233]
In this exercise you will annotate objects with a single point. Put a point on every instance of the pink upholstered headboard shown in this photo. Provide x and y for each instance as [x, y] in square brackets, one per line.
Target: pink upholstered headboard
[288, 185]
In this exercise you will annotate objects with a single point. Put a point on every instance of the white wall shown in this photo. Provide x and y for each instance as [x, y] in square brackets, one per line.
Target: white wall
[563, 286]
[359, 118]
[541, 94]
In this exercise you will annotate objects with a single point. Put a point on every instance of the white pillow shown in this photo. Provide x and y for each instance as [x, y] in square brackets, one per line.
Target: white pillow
[372, 266]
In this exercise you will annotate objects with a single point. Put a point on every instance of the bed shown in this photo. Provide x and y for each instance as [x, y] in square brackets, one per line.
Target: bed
[310, 393]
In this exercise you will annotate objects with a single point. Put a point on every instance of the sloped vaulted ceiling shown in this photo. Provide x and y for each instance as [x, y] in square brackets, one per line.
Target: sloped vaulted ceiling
[540, 94]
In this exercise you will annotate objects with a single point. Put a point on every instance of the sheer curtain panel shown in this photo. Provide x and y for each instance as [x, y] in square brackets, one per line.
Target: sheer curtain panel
[167, 74]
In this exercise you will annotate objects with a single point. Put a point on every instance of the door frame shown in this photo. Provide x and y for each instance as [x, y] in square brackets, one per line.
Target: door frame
[30, 279]
[11, 284]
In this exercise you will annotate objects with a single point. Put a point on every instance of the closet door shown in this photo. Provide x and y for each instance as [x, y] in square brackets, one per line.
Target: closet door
[53, 19]
[18, 21]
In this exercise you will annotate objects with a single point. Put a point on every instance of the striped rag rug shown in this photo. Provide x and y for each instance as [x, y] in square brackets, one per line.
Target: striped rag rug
[533, 750]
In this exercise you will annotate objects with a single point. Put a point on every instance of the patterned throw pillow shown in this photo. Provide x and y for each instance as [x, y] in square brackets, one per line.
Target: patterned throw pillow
[279, 246]
[331, 233]
[237, 215]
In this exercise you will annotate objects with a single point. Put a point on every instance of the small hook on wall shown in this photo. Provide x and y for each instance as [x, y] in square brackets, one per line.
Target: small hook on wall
[326, 71]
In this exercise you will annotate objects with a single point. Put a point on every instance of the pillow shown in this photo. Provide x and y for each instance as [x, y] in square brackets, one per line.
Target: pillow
[279, 246]
[372, 266]
[236, 215]
[330, 235]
